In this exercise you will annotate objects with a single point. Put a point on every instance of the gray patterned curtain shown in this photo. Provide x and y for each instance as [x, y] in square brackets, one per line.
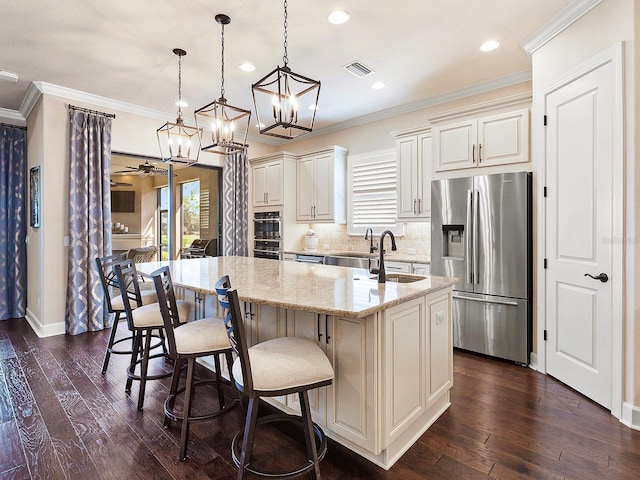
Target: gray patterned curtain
[13, 222]
[89, 219]
[235, 204]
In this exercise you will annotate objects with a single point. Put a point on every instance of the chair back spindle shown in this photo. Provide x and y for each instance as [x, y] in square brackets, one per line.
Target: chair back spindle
[168, 306]
[228, 300]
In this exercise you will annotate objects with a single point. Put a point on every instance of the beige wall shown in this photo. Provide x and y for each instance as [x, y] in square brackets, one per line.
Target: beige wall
[609, 23]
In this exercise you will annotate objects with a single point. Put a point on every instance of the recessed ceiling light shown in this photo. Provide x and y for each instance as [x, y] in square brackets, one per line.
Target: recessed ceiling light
[181, 103]
[260, 125]
[247, 67]
[378, 85]
[312, 107]
[490, 45]
[338, 17]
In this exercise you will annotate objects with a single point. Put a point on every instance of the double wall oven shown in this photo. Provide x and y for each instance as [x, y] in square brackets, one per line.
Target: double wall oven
[267, 235]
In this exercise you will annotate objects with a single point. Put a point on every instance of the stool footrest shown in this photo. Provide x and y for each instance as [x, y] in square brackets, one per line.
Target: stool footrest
[321, 446]
[171, 399]
[131, 375]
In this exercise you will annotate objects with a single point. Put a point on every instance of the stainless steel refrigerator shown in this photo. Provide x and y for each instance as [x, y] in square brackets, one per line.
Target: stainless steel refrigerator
[481, 234]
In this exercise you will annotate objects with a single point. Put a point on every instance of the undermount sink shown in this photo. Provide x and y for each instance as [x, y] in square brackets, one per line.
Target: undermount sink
[401, 277]
[355, 255]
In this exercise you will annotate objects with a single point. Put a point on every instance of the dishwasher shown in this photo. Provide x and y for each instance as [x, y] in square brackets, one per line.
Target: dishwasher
[310, 258]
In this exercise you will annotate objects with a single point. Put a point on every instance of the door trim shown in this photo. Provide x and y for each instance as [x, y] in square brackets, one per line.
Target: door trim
[613, 55]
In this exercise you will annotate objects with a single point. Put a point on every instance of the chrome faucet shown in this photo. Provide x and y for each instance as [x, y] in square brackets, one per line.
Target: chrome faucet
[380, 270]
[368, 234]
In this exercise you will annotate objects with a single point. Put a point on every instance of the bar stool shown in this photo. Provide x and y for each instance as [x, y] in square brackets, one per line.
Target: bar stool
[280, 366]
[188, 342]
[115, 306]
[142, 321]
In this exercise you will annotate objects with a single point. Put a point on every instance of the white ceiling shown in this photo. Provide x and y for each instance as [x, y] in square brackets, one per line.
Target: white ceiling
[122, 49]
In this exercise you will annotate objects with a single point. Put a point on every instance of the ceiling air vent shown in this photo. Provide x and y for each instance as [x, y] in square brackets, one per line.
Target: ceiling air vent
[359, 69]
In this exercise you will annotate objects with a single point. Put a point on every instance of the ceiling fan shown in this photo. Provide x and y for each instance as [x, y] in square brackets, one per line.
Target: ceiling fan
[113, 183]
[144, 169]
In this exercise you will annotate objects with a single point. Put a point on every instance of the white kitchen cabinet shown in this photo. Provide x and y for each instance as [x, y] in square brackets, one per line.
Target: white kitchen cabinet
[320, 186]
[397, 267]
[418, 369]
[485, 141]
[414, 152]
[346, 406]
[420, 268]
[268, 183]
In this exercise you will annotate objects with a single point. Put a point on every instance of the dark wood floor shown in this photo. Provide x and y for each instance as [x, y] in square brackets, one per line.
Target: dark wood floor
[60, 418]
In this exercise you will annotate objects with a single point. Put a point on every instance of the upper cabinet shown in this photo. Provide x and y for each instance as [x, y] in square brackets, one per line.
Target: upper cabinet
[268, 182]
[482, 141]
[321, 186]
[414, 152]
[491, 134]
[269, 175]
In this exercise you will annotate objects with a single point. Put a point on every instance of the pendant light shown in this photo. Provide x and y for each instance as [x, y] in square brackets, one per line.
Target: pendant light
[177, 139]
[285, 101]
[223, 127]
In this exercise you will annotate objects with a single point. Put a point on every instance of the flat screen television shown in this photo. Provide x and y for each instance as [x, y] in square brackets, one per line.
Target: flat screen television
[123, 201]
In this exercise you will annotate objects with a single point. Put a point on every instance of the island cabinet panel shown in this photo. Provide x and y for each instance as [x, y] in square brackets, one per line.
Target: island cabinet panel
[346, 407]
[307, 325]
[352, 401]
[262, 323]
[405, 363]
[441, 348]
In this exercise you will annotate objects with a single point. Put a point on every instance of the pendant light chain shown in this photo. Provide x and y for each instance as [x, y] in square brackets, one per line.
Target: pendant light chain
[285, 59]
[179, 86]
[222, 63]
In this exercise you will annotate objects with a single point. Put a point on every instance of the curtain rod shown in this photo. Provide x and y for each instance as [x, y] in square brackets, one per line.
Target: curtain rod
[14, 126]
[108, 115]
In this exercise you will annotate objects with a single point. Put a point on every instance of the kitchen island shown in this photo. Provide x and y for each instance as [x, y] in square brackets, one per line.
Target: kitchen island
[390, 345]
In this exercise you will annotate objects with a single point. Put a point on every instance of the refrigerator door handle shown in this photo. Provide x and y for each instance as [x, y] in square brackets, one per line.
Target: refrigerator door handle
[482, 300]
[468, 253]
[476, 224]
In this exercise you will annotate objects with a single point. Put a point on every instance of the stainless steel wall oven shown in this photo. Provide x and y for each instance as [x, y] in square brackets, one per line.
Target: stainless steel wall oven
[267, 235]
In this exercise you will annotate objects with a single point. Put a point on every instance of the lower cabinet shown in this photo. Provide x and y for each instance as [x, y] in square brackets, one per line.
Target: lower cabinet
[345, 407]
[393, 370]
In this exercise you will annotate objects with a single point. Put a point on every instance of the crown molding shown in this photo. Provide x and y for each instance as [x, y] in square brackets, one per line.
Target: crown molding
[13, 115]
[522, 100]
[469, 91]
[36, 89]
[559, 23]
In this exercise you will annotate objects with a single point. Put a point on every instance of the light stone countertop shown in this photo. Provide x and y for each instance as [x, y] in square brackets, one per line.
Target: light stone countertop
[324, 289]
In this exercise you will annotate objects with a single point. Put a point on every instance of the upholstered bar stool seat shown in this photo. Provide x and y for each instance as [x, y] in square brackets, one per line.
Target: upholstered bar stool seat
[188, 342]
[285, 363]
[148, 296]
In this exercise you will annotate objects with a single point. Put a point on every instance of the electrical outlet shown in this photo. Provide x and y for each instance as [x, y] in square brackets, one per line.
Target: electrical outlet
[411, 251]
[440, 318]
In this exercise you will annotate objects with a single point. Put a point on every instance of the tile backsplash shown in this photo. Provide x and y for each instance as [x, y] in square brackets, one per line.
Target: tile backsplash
[416, 235]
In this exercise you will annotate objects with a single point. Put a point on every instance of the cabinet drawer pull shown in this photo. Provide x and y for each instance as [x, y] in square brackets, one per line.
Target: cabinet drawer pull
[473, 154]
[479, 153]
[318, 327]
[326, 329]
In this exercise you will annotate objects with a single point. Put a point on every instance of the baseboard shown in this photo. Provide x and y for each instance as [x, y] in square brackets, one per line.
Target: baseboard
[631, 415]
[533, 361]
[41, 330]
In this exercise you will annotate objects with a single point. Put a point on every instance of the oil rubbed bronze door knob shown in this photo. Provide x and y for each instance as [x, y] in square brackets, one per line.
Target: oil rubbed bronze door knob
[603, 277]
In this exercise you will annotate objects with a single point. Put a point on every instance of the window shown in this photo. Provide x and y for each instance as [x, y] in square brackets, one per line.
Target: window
[190, 212]
[372, 193]
[163, 224]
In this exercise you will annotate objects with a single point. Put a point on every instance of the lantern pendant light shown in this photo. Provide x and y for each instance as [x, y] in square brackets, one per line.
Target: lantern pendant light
[285, 102]
[177, 139]
[223, 127]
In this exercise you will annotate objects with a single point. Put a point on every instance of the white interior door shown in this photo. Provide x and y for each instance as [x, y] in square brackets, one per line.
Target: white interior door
[579, 204]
